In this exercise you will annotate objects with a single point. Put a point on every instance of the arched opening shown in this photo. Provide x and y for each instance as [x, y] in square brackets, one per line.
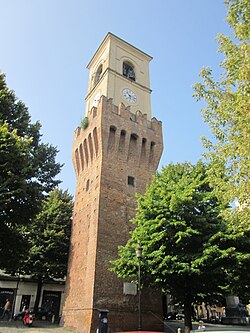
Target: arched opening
[85, 146]
[143, 149]
[77, 161]
[151, 153]
[128, 71]
[81, 156]
[95, 141]
[132, 152]
[98, 74]
[90, 146]
[122, 141]
[111, 140]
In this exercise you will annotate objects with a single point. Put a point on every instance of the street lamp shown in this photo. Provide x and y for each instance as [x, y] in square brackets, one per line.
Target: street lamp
[138, 252]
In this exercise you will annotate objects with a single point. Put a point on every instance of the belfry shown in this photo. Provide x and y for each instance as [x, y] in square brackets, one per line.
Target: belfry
[115, 155]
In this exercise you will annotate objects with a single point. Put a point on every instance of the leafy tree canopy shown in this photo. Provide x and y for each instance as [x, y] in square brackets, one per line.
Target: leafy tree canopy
[48, 236]
[48, 239]
[27, 173]
[186, 248]
[227, 112]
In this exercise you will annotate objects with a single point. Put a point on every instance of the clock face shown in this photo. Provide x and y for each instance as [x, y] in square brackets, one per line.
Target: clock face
[96, 99]
[129, 95]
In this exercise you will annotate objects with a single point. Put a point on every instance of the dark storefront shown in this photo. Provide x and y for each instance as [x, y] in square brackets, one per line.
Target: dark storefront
[51, 302]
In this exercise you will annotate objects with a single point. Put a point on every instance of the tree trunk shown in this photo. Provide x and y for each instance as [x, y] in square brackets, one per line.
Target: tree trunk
[38, 293]
[188, 317]
[164, 305]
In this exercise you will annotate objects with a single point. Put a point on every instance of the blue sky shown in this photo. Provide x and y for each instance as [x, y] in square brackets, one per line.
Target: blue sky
[46, 45]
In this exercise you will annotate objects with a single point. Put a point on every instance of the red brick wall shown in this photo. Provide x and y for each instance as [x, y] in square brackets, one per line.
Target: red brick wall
[114, 146]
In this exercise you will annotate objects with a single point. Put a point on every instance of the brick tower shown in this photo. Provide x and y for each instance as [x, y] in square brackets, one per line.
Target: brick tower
[114, 157]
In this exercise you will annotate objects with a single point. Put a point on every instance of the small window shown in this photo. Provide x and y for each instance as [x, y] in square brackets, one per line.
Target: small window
[128, 71]
[98, 74]
[131, 181]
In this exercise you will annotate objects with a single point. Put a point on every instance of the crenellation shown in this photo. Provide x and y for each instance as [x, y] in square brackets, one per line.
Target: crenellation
[111, 107]
[156, 125]
[102, 103]
[92, 113]
[117, 138]
[85, 148]
[123, 112]
[120, 138]
[140, 118]
[77, 132]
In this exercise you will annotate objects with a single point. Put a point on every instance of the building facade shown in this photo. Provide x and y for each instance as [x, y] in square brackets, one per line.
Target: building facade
[22, 291]
[114, 157]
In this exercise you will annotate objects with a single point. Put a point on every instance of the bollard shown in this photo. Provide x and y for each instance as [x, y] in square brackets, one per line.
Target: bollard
[179, 330]
[103, 321]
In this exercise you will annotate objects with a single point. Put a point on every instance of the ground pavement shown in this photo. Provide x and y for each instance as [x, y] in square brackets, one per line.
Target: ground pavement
[37, 327]
[47, 327]
[172, 327]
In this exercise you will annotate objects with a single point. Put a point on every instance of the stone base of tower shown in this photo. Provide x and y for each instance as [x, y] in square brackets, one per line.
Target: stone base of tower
[125, 321]
[87, 321]
[122, 315]
[78, 320]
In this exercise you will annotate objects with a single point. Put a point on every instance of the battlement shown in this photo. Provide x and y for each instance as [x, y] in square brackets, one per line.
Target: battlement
[114, 130]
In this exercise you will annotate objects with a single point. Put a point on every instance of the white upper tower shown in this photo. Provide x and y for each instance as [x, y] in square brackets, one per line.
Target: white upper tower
[120, 71]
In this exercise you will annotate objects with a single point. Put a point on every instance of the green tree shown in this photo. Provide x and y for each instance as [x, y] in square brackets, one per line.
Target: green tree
[227, 112]
[48, 237]
[14, 160]
[27, 173]
[184, 240]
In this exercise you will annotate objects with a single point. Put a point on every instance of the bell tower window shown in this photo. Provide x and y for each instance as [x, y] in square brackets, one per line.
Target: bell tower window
[98, 74]
[128, 71]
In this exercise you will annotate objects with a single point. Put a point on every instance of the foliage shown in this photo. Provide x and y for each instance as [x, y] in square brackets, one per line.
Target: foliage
[27, 173]
[184, 241]
[48, 237]
[85, 123]
[228, 114]
[13, 161]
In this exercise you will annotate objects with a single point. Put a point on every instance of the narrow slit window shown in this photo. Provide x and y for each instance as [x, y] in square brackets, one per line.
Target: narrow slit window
[111, 139]
[151, 153]
[122, 141]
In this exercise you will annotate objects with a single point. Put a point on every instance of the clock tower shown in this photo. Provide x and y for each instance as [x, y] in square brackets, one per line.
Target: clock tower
[114, 157]
[119, 71]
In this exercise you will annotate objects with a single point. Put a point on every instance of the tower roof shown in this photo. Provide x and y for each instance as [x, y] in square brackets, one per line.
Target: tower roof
[110, 36]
